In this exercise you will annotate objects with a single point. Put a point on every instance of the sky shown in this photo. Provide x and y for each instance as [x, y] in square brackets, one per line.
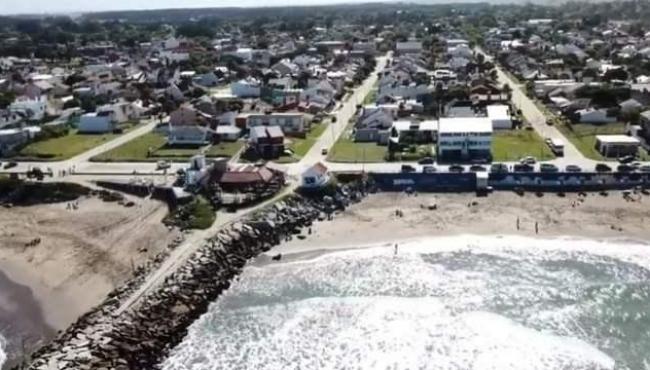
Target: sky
[70, 6]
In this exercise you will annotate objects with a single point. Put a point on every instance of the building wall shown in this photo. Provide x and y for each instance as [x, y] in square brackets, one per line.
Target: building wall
[464, 146]
[95, 124]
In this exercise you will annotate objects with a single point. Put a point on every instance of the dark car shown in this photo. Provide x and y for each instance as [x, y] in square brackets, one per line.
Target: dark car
[547, 167]
[408, 168]
[625, 168]
[456, 168]
[10, 165]
[499, 168]
[573, 168]
[602, 167]
[428, 169]
[426, 160]
[645, 168]
[477, 168]
[523, 168]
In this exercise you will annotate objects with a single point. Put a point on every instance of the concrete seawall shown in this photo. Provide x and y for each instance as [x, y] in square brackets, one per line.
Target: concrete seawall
[141, 337]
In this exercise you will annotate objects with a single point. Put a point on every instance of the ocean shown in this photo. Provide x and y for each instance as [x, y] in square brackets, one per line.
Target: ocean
[463, 302]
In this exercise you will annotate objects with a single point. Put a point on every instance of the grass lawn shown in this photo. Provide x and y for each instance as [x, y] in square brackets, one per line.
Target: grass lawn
[514, 144]
[137, 150]
[63, 147]
[347, 151]
[583, 136]
[300, 146]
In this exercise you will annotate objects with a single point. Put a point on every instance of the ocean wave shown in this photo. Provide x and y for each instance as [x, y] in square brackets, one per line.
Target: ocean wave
[442, 303]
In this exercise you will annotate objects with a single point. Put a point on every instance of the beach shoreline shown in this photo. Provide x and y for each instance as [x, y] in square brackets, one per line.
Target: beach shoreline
[374, 222]
[80, 256]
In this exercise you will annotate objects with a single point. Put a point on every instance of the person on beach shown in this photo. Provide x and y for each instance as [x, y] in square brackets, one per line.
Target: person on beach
[396, 249]
[517, 223]
[536, 227]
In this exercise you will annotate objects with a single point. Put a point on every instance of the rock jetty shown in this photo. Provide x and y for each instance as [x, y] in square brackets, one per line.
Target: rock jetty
[142, 336]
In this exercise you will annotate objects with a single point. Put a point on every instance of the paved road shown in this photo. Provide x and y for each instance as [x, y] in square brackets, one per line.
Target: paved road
[538, 120]
[81, 161]
[343, 116]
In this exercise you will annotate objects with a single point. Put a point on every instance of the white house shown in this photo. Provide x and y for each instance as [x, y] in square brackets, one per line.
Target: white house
[97, 123]
[250, 88]
[408, 47]
[288, 122]
[33, 108]
[315, 176]
[185, 127]
[464, 138]
[500, 116]
[174, 55]
[591, 115]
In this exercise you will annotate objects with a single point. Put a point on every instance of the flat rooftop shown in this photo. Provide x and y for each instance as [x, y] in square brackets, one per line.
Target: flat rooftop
[464, 124]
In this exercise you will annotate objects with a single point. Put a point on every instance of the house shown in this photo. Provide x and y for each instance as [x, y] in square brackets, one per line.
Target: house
[464, 138]
[13, 138]
[285, 67]
[407, 132]
[97, 123]
[185, 127]
[228, 132]
[267, 141]
[592, 115]
[408, 47]
[321, 93]
[630, 106]
[500, 116]
[250, 88]
[34, 109]
[290, 123]
[615, 146]
[315, 176]
[246, 178]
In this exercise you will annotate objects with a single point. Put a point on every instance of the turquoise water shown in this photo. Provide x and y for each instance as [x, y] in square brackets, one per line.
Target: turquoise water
[461, 302]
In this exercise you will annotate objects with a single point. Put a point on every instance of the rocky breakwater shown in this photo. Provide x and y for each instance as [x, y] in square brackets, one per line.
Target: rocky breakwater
[141, 337]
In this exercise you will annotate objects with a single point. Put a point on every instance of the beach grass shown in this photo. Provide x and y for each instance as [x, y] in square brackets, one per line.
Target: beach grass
[513, 145]
[153, 147]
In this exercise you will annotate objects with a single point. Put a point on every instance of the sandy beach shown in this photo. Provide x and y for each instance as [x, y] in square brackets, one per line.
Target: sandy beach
[374, 220]
[82, 255]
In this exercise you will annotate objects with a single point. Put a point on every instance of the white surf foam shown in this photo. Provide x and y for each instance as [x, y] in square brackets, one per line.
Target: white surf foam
[465, 302]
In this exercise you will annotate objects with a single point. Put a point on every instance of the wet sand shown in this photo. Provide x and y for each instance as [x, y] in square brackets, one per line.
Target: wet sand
[22, 323]
[82, 255]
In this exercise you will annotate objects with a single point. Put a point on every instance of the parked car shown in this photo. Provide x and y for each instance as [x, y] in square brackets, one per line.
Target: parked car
[456, 168]
[499, 168]
[573, 168]
[162, 165]
[10, 165]
[426, 160]
[548, 167]
[645, 168]
[477, 168]
[528, 160]
[626, 159]
[428, 169]
[625, 168]
[522, 167]
[408, 168]
[602, 167]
